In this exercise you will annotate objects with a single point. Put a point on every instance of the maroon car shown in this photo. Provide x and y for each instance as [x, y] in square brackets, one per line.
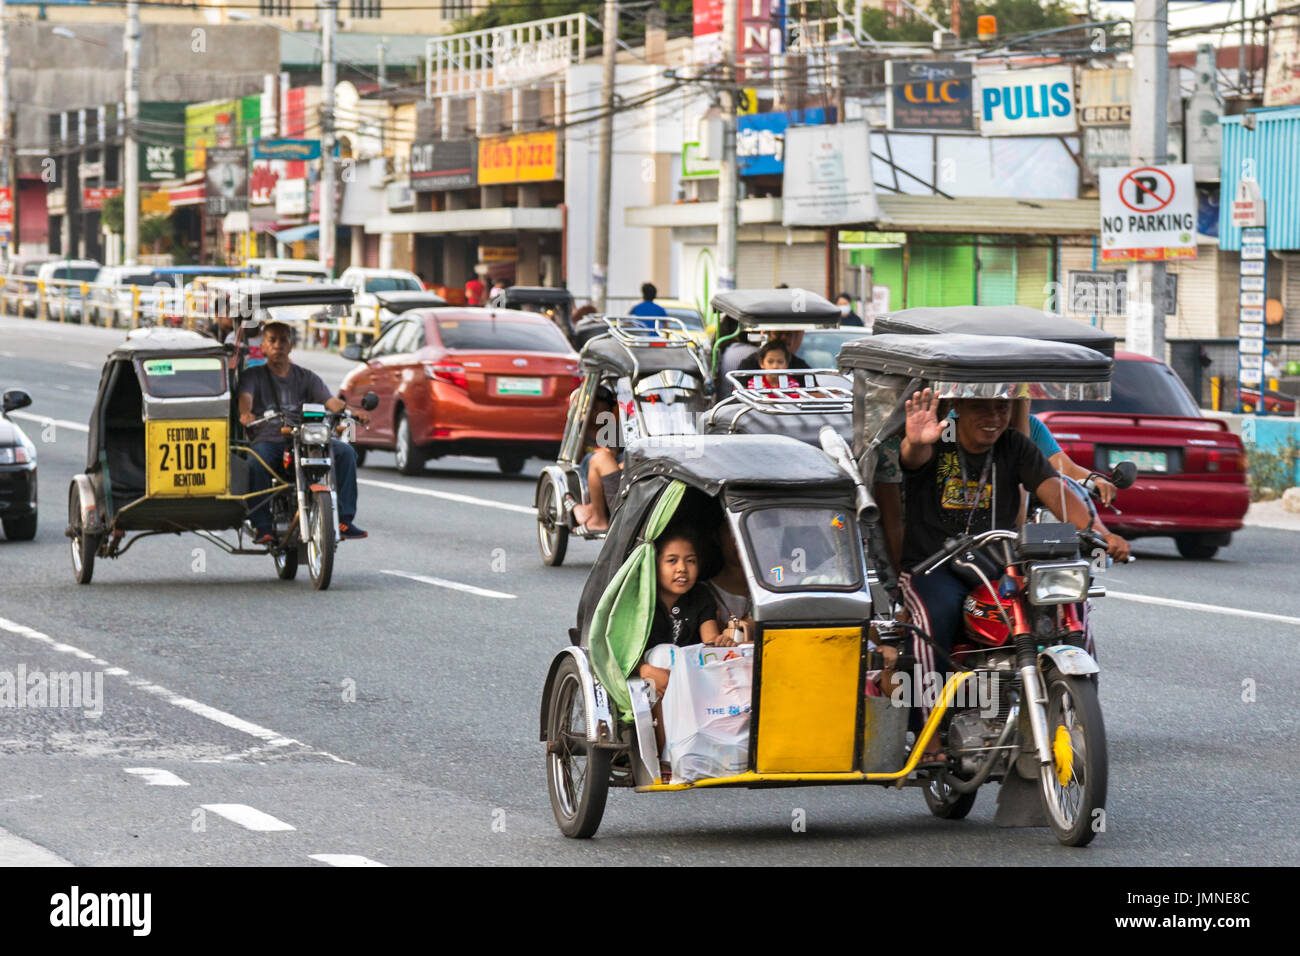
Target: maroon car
[1191, 482]
[465, 381]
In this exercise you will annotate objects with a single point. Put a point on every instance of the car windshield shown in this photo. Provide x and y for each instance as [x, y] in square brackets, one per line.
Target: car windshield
[292, 274]
[501, 335]
[138, 278]
[1136, 388]
[690, 317]
[76, 273]
[393, 284]
[821, 349]
[796, 548]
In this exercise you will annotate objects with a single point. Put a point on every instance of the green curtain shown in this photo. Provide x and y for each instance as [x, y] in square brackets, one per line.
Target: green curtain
[620, 624]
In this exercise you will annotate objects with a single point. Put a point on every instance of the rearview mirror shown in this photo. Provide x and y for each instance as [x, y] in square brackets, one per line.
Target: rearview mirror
[370, 401]
[250, 325]
[1124, 475]
[353, 353]
[16, 398]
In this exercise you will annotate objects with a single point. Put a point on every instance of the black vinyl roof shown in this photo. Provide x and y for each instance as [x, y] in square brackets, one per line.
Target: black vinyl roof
[249, 294]
[996, 320]
[165, 341]
[607, 353]
[532, 293]
[796, 307]
[405, 300]
[976, 358]
[711, 462]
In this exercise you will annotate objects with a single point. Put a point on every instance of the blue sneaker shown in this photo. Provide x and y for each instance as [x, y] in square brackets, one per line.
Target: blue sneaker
[350, 532]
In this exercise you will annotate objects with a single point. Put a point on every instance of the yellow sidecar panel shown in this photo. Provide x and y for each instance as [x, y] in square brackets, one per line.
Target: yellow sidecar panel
[188, 458]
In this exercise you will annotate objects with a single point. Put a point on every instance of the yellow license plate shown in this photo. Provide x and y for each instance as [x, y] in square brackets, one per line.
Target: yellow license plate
[188, 458]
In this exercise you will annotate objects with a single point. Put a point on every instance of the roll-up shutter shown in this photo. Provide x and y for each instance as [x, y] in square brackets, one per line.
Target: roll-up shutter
[941, 274]
[1195, 313]
[1290, 296]
[997, 273]
[802, 265]
[1033, 276]
[756, 266]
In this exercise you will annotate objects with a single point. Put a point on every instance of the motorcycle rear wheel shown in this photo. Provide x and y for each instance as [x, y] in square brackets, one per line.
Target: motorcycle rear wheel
[945, 802]
[1074, 785]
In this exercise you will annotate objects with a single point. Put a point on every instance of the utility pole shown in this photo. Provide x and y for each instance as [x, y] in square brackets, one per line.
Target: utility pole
[728, 178]
[328, 171]
[600, 259]
[1148, 141]
[7, 177]
[130, 144]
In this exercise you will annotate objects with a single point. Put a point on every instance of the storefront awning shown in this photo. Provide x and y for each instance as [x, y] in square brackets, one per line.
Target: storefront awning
[966, 214]
[298, 233]
[500, 219]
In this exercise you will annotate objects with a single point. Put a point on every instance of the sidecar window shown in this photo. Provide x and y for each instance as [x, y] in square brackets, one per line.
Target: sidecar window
[804, 548]
[184, 377]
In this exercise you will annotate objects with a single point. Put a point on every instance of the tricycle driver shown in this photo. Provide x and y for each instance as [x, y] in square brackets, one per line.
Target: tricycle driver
[279, 384]
[964, 477]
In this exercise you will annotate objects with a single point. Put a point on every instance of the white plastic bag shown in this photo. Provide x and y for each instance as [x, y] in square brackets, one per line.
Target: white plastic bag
[706, 711]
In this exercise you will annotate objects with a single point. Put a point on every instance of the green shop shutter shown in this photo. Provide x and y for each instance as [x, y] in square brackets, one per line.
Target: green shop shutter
[941, 274]
[997, 274]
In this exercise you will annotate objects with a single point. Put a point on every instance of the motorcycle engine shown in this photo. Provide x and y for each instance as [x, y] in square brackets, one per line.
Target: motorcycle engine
[979, 725]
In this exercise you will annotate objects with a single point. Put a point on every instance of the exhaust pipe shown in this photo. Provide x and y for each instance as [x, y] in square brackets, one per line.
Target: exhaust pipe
[838, 450]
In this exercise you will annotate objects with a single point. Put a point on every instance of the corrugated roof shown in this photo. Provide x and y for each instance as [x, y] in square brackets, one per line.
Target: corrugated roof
[1272, 147]
[990, 214]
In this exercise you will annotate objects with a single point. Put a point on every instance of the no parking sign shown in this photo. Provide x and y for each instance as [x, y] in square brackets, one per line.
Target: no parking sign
[1148, 213]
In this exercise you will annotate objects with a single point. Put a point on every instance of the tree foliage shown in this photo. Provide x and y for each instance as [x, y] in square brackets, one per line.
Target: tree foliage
[113, 215]
[631, 27]
[1014, 17]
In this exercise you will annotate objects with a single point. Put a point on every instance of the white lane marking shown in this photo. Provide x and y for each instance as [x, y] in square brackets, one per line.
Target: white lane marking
[15, 851]
[1193, 606]
[344, 859]
[176, 700]
[85, 365]
[46, 420]
[250, 818]
[157, 778]
[454, 585]
[449, 496]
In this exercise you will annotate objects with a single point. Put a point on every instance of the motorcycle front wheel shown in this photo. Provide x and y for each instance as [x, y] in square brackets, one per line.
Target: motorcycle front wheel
[1074, 783]
[320, 539]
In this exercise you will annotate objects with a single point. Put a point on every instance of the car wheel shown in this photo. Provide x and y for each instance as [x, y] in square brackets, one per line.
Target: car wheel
[1195, 548]
[20, 529]
[511, 464]
[410, 461]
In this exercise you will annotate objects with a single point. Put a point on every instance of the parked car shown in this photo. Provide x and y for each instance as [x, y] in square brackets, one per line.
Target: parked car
[1277, 403]
[366, 283]
[64, 302]
[20, 283]
[111, 303]
[1191, 469]
[17, 472]
[465, 381]
[293, 270]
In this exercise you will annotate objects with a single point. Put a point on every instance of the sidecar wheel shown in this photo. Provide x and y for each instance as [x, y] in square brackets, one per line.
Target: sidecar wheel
[1074, 784]
[945, 802]
[286, 564]
[577, 775]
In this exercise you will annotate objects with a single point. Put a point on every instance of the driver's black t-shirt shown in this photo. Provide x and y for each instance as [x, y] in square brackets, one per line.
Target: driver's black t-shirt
[681, 626]
[938, 507]
[287, 394]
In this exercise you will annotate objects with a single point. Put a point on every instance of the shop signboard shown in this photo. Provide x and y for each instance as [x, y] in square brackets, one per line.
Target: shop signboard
[226, 180]
[929, 95]
[1036, 102]
[520, 158]
[444, 164]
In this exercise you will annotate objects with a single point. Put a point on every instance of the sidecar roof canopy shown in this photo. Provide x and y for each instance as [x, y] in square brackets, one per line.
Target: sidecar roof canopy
[165, 341]
[996, 320]
[713, 462]
[248, 295]
[984, 366]
[776, 310]
[606, 353]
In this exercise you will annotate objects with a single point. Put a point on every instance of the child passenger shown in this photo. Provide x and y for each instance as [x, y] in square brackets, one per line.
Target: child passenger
[685, 610]
[774, 356]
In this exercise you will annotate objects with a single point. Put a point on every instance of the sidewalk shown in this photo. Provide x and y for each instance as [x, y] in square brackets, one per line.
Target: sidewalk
[1269, 514]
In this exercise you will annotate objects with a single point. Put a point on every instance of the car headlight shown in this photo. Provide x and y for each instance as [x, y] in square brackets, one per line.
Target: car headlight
[317, 433]
[1065, 582]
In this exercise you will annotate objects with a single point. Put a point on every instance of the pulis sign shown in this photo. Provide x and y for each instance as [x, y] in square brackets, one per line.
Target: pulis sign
[1038, 102]
[1031, 101]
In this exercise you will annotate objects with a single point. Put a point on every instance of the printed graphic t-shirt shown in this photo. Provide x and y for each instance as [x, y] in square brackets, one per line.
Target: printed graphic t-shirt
[939, 506]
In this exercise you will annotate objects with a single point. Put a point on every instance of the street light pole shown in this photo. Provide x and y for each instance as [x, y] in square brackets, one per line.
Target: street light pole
[728, 180]
[6, 166]
[1148, 135]
[600, 258]
[131, 145]
[328, 171]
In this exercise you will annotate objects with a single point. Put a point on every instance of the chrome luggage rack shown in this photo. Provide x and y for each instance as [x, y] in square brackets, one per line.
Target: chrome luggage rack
[804, 395]
[667, 331]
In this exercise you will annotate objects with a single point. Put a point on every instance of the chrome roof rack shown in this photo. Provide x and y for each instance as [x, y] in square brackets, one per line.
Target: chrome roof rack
[797, 391]
[666, 332]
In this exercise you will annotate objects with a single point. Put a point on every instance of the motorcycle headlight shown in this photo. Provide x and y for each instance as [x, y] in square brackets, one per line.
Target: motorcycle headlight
[1065, 582]
[317, 433]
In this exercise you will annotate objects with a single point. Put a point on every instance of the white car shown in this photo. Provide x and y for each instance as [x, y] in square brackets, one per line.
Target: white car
[365, 282]
[293, 270]
[65, 302]
[111, 301]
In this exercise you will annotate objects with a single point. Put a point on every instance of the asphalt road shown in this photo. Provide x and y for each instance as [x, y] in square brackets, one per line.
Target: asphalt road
[394, 718]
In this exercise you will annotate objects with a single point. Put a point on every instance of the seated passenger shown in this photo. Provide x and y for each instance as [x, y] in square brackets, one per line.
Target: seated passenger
[685, 612]
[791, 340]
[731, 592]
[603, 464]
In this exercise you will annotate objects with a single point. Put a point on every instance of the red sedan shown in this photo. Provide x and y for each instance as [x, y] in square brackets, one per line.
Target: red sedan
[1191, 482]
[465, 381]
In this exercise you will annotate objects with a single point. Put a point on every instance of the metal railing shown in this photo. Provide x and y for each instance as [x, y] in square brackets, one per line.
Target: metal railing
[160, 304]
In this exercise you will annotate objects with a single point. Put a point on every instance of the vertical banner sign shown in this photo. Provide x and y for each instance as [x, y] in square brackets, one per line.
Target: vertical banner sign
[226, 180]
[825, 181]
[1148, 213]
[1250, 324]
